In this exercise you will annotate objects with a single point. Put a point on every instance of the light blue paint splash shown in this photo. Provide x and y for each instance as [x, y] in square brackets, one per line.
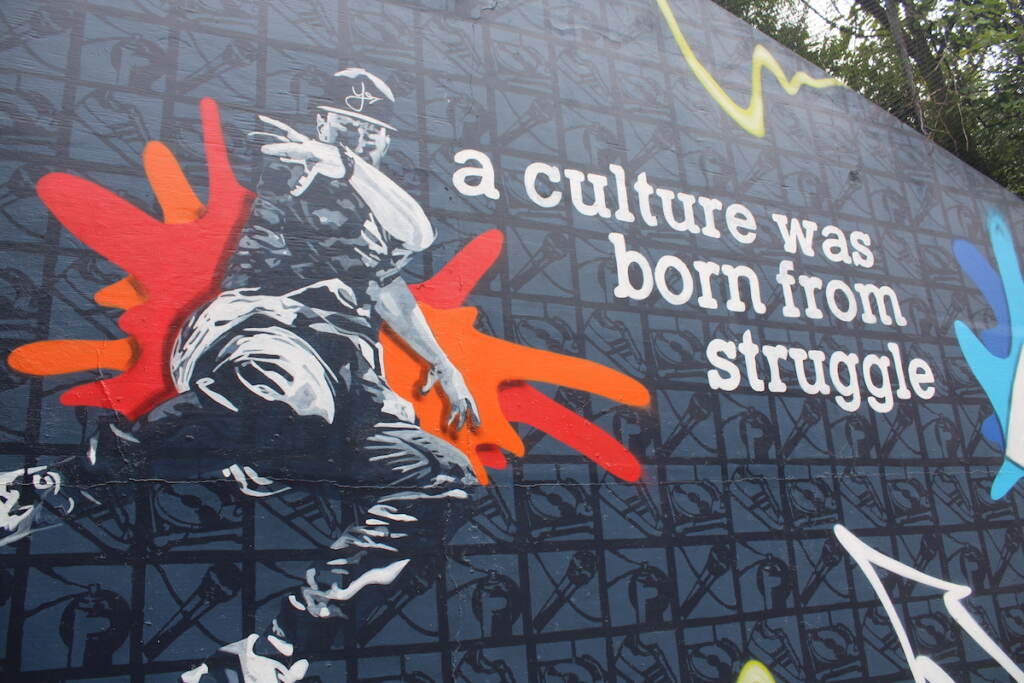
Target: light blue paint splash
[992, 354]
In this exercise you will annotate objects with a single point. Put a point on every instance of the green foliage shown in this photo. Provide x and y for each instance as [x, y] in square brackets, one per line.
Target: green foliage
[966, 58]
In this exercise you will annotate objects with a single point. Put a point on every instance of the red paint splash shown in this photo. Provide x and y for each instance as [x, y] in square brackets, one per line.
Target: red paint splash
[177, 267]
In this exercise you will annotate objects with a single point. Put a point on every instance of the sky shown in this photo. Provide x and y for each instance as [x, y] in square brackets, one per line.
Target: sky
[821, 10]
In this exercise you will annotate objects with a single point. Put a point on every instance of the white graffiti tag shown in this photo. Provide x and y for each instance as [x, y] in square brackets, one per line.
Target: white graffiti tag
[923, 668]
[360, 98]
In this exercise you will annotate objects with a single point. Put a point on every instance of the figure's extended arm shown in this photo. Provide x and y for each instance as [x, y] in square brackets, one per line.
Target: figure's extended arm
[394, 208]
[399, 309]
[397, 212]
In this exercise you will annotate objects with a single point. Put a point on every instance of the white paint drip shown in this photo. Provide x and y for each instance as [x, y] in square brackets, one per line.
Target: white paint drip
[380, 576]
[390, 513]
[195, 675]
[282, 646]
[458, 494]
[246, 475]
[205, 385]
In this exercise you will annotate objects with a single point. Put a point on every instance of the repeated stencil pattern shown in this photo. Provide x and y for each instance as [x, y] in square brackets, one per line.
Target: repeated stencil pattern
[722, 552]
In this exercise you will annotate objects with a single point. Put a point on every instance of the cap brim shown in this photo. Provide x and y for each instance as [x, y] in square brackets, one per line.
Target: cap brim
[357, 115]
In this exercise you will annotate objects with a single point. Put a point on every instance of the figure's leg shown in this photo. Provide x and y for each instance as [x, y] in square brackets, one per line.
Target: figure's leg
[419, 485]
[420, 489]
[181, 439]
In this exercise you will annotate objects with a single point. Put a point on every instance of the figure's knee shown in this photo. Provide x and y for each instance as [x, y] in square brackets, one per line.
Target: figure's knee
[456, 465]
[451, 467]
[408, 455]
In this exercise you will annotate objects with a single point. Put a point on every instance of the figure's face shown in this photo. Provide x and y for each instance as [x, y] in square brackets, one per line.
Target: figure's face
[367, 140]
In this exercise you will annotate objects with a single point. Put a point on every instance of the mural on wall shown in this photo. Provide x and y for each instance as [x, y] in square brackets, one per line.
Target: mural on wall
[492, 344]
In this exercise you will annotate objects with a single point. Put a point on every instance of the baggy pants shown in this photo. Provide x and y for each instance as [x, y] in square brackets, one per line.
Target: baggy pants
[290, 400]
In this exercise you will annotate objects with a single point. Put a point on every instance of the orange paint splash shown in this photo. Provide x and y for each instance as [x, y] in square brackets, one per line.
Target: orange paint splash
[496, 370]
[179, 204]
[487, 363]
[174, 266]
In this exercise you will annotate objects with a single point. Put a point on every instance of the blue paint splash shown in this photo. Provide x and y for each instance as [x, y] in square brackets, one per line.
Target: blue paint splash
[992, 354]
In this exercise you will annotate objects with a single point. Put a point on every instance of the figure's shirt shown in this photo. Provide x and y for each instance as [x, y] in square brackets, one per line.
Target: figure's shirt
[327, 233]
[300, 292]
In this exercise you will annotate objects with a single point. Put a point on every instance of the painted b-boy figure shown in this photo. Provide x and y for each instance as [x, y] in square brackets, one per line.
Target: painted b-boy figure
[281, 380]
[317, 269]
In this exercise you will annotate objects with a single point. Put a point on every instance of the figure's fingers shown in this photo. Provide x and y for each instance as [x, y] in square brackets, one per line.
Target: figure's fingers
[455, 418]
[254, 135]
[286, 158]
[273, 149]
[474, 413]
[292, 149]
[290, 132]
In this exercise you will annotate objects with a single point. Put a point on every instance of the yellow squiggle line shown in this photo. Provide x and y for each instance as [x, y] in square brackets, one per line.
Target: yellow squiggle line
[751, 117]
[755, 672]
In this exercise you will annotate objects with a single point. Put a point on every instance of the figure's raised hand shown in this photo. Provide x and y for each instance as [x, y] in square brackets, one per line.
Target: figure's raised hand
[292, 147]
[463, 407]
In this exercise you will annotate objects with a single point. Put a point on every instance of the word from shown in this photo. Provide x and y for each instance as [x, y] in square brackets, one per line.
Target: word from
[751, 117]
[923, 668]
[844, 375]
[873, 303]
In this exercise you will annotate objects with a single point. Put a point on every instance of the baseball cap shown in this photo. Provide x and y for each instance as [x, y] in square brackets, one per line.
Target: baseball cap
[358, 93]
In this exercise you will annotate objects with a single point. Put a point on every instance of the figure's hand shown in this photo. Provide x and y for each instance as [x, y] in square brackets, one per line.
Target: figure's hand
[318, 158]
[463, 406]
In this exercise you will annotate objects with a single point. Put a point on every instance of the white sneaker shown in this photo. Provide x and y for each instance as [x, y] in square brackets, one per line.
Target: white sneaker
[252, 667]
[18, 519]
